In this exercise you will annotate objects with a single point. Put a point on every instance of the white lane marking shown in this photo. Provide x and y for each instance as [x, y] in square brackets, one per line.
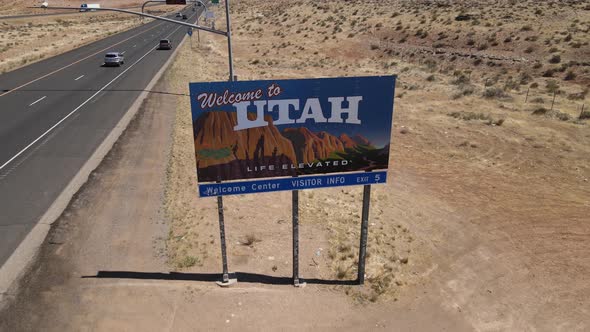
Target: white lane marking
[134, 46]
[81, 105]
[10, 169]
[74, 111]
[38, 100]
[79, 78]
[123, 52]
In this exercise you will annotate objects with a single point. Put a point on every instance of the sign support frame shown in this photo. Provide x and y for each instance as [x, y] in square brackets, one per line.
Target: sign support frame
[295, 206]
[225, 277]
[226, 281]
[297, 282]
[364, 234]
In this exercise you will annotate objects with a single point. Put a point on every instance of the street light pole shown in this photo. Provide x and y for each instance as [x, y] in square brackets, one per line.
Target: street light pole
[226, 281]
[150, 1]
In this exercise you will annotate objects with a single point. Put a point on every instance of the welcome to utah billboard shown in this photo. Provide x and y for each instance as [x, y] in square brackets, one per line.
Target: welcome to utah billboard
[256, 136]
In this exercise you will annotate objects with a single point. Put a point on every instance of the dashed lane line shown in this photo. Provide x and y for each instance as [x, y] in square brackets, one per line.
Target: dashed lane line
[38, 100]
[81, 105]
[73, 63]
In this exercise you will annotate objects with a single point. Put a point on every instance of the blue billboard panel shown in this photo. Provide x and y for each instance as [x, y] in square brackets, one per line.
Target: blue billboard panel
[285, 128]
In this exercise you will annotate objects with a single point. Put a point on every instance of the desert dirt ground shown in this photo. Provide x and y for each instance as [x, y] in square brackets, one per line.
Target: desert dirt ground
[483, 224]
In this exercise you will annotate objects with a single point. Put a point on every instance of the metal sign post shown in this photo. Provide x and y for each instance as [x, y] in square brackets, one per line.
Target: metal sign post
[190, 34]
[226, 281]
[225, 278]
[295, 205]
[364, 233]
[295, 202]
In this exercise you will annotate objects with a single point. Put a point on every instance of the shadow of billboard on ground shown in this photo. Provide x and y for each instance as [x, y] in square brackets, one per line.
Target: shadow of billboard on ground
[212, 277]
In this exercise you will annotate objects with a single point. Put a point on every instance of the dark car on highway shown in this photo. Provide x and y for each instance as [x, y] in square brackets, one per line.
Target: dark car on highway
[165, 44]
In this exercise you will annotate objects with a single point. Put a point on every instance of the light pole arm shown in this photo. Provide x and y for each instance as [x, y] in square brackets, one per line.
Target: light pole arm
[150, 1]
[198, 27]
[164, 1]
[202, 3]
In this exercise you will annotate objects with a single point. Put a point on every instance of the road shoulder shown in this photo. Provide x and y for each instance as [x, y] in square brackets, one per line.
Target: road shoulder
[23, 258]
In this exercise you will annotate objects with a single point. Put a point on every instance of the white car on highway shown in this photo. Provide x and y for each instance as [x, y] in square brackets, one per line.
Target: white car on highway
[114, 59]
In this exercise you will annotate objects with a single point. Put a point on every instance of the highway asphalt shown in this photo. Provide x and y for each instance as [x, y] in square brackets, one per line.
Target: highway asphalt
[56, 112]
